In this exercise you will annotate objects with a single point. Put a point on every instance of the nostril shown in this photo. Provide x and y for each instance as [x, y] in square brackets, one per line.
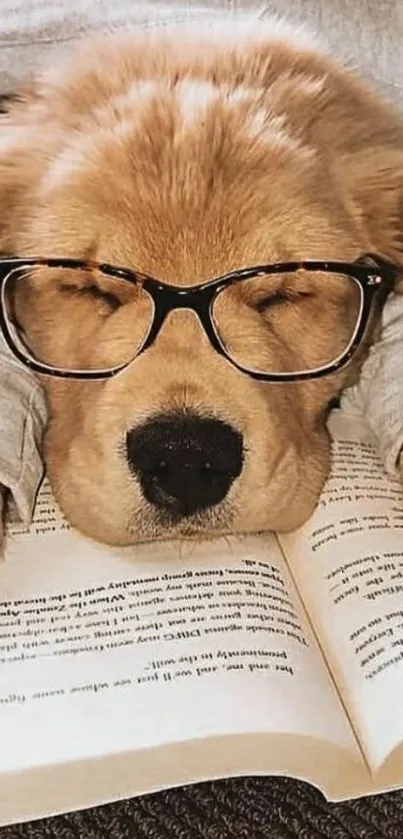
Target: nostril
[161, 469]
[185, 463]
[207, 470]
[210, 472]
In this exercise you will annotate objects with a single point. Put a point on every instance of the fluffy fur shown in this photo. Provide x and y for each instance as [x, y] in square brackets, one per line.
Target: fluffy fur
[186, 155]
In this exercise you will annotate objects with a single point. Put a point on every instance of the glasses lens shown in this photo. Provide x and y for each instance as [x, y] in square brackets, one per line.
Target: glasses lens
[76, 320]
[288, 323]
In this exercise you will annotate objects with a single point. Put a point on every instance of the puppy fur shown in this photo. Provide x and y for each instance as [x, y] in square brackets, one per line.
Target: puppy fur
[3, 493]
[186, 155]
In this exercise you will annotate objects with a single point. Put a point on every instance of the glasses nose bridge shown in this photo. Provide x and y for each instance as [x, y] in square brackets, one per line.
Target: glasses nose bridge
[196, 298]
[168, 299]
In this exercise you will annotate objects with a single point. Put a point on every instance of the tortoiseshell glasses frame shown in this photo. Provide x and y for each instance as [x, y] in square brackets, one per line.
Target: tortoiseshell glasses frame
[371, 274]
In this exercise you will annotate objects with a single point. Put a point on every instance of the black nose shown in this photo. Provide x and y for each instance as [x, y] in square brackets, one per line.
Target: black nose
[185, 463]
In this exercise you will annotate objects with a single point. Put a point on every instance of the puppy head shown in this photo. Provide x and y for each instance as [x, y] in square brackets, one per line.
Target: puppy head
[185, 165]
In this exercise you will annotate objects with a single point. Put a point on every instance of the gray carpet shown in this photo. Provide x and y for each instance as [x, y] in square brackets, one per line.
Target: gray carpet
[248, 808]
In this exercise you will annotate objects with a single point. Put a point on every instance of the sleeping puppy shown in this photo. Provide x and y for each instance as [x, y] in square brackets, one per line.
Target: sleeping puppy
[187, 379]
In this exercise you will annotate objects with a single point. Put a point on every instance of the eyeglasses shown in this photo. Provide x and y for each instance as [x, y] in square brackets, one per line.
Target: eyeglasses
[275, 323]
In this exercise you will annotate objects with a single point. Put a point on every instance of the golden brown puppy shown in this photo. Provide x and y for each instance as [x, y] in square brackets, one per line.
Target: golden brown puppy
[183, 157]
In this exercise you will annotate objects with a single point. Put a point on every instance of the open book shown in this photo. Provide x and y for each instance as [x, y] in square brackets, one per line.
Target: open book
[125, 671]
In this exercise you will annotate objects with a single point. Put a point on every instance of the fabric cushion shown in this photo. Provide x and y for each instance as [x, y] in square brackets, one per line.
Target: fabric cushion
[367, 34]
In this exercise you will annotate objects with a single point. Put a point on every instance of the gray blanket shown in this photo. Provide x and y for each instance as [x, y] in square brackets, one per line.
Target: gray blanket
[365, 33]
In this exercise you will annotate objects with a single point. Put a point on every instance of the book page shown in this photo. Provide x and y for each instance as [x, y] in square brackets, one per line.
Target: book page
[104, 650]
[348, 564]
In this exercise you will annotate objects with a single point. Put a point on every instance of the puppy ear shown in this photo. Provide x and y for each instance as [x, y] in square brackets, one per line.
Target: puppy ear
[375, 195]
[23, 149]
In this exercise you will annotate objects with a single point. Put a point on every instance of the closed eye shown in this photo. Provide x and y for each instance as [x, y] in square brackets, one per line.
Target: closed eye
[281, 297]
[99, 294]
[95, 292]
